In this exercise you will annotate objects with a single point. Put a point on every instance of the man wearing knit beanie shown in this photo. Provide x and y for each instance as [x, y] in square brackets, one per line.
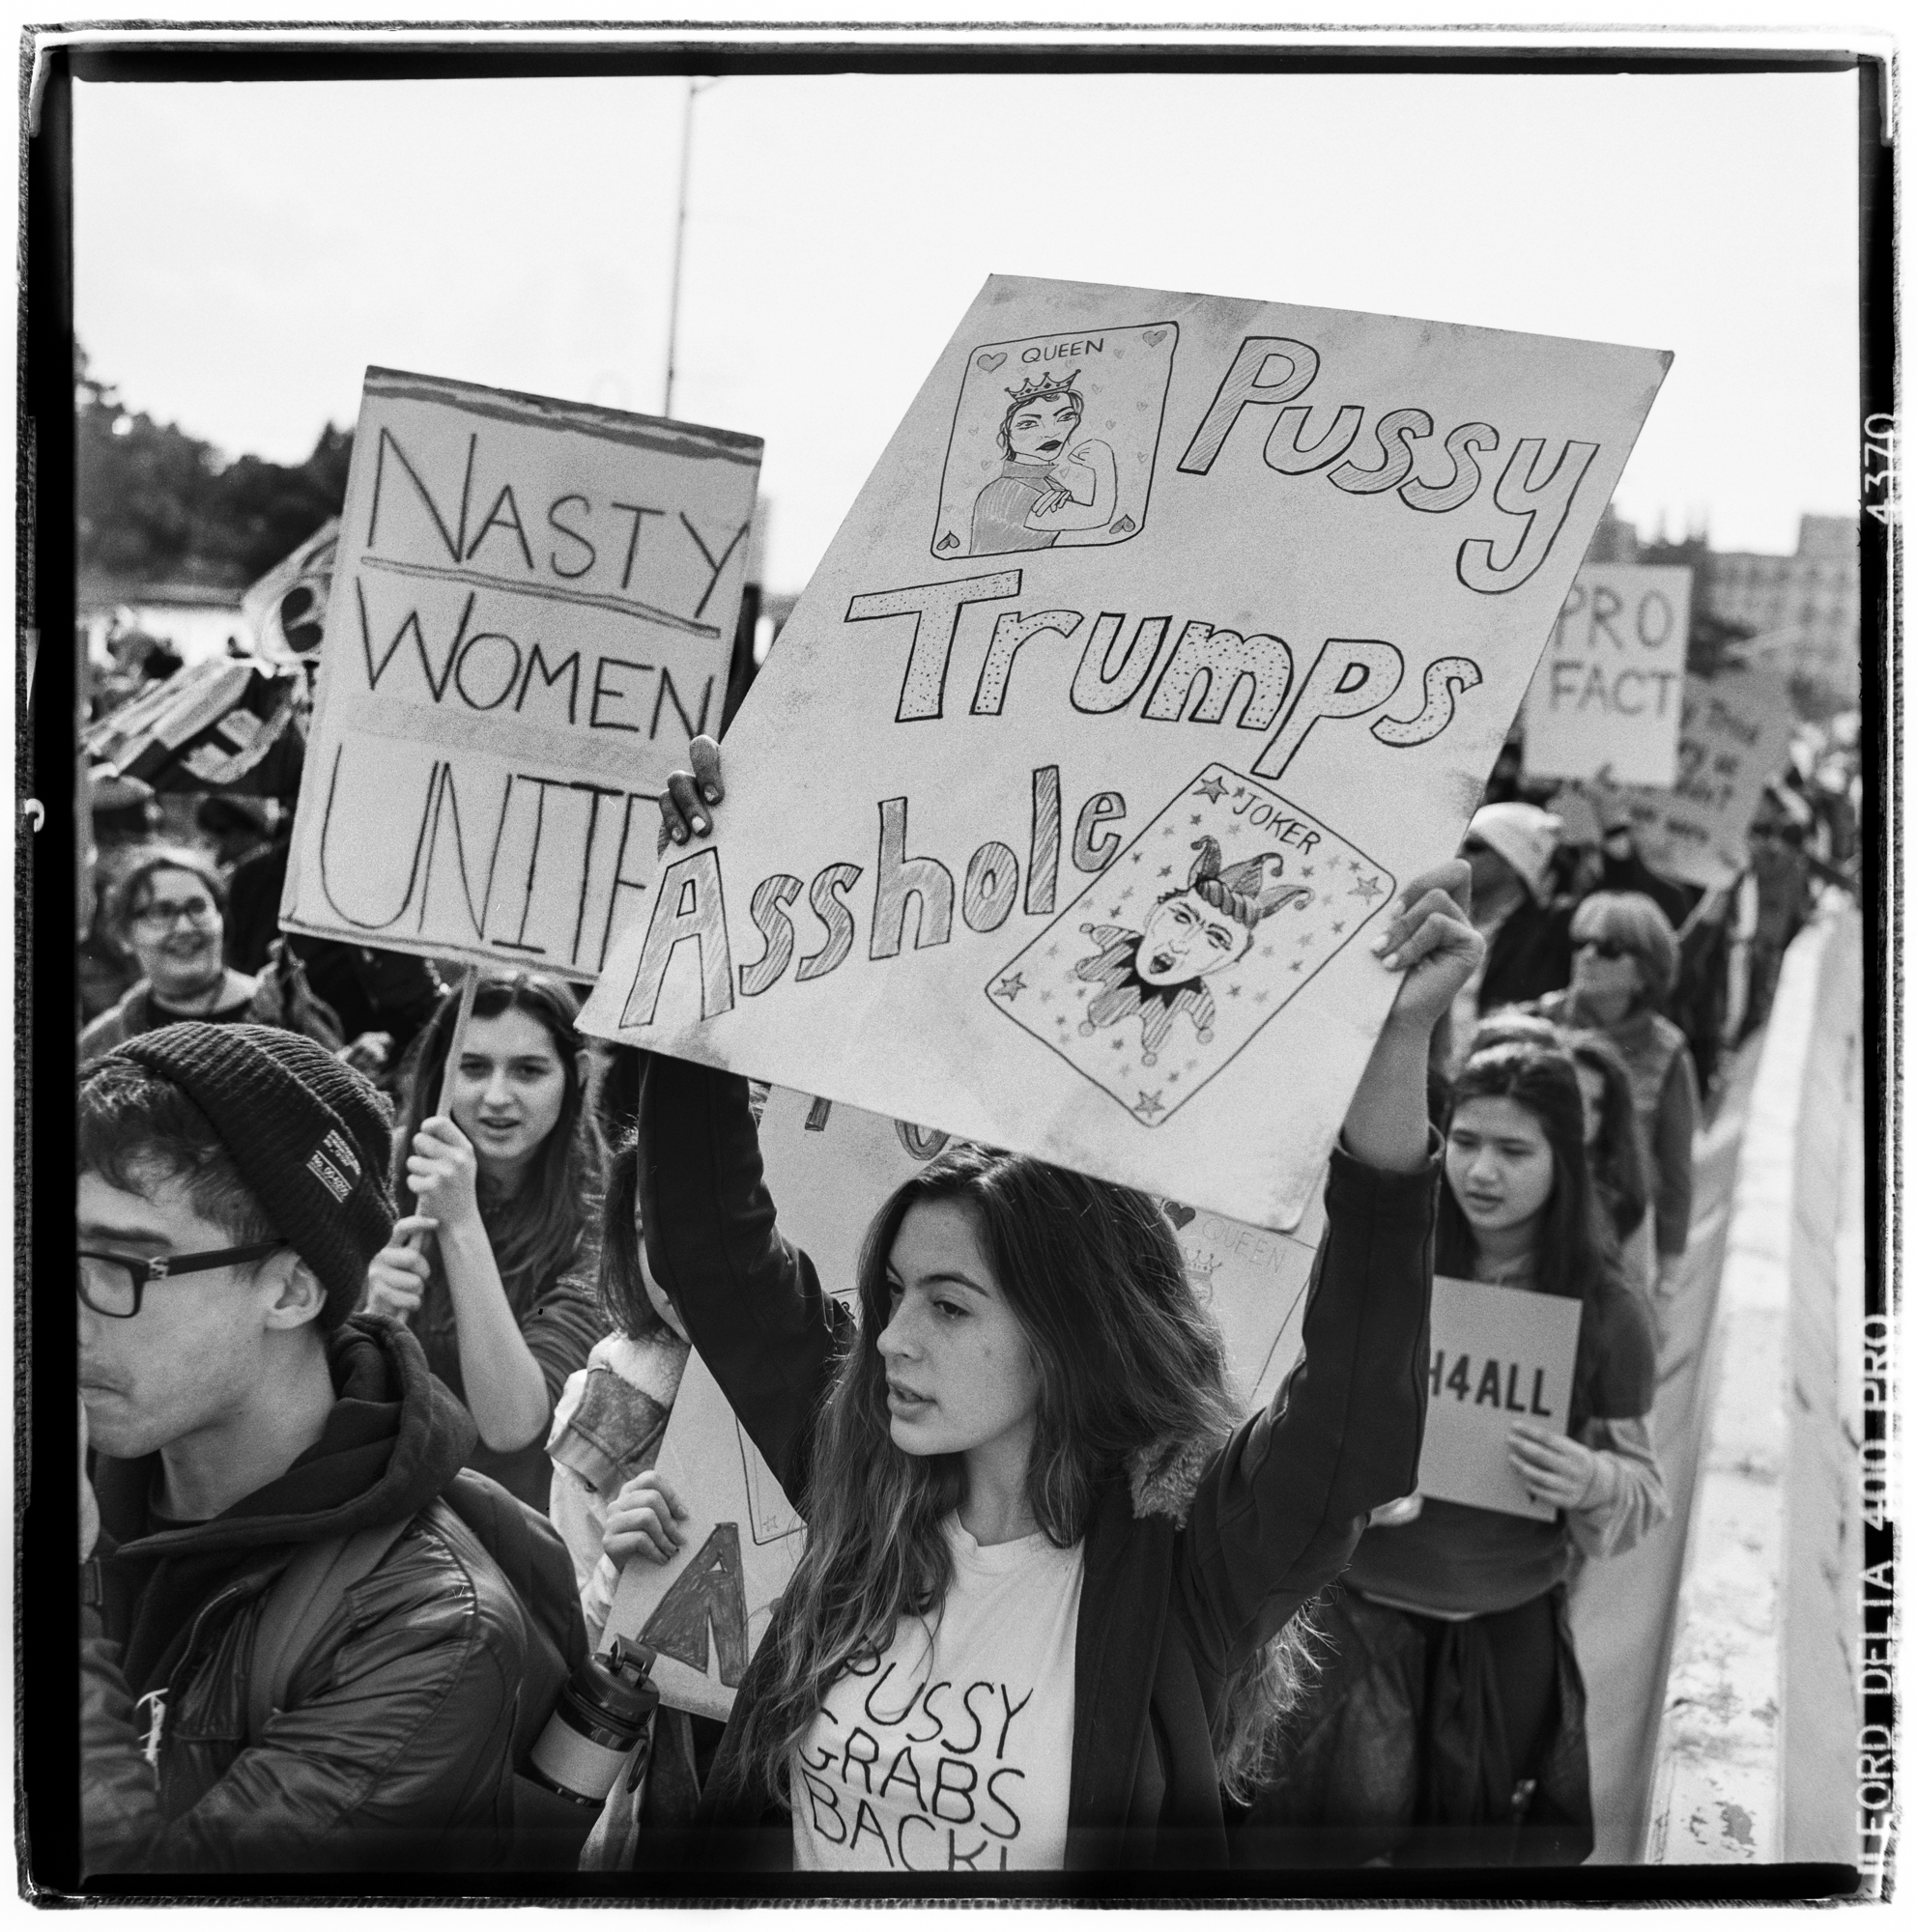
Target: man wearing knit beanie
[231, 1189]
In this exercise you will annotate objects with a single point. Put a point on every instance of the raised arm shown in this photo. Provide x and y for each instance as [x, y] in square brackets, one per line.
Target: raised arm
[1277, 1513]
[750, 1302]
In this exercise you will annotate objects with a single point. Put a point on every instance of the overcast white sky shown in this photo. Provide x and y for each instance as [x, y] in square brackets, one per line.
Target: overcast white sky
[243, 252]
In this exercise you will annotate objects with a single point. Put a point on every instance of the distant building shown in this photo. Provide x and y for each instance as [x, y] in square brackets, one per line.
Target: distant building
[1812, 598]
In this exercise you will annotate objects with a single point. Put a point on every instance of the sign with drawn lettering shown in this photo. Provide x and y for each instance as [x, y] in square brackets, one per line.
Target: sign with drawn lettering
[1497, 1353]
[830, 1168]
[1170, 637]
[532, 615]
[705, 1612]
[1736, 734]
[1608, 696]
[286, 610]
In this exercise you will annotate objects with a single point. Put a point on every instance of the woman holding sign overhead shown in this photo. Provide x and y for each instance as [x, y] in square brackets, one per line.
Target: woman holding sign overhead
[1046, 1613]
[502, 1295]
[1449, 1725]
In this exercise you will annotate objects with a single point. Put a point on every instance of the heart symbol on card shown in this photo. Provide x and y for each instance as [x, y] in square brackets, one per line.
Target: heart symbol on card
[1152, 337]
[1123, 527]
[946, 541]
[1178, 1214]
[991, 362]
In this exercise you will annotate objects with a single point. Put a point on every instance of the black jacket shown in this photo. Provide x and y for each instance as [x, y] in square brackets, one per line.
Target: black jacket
[1530, 956]
[1190, 1565]
[394, 1747]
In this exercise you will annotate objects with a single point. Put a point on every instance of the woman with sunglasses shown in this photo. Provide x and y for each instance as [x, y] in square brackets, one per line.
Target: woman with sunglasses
[170, 911]
[1624, 964]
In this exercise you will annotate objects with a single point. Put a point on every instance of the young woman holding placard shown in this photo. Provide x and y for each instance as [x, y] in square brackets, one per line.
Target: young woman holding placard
[502, 1295]
[1448, 1724]
[1046, 1609]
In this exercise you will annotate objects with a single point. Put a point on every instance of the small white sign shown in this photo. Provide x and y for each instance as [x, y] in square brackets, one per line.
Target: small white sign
[1496, 1354]
[1606, 697]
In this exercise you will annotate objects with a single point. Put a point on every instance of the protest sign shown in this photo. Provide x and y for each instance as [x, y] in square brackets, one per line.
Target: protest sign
[1497, 1353]
[1609, 689]
[1735, 736]
[286, 610]
[208, 727]
[532, 615]
[830, 1168]
[705, 1612]
[1170, 637]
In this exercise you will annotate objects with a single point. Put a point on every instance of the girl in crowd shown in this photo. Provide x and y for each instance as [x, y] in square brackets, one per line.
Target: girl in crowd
[1624, 963]
[1615, 1150]
[1043, 1613]
[170, 911]
[502, 1295]
[1448, 1724]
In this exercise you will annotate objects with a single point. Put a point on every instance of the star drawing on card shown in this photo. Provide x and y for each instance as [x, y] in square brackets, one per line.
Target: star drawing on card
[1010, 986]
[1367, 890]
[1194, 931]
[1211, 788]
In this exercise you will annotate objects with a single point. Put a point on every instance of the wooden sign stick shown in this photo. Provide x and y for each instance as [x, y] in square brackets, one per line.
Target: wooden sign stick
[468, 986]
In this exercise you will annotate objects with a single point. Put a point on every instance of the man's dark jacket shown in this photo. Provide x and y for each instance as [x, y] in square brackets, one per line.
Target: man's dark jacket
[1529, 954]
[393, 1750]
[1192, 1561]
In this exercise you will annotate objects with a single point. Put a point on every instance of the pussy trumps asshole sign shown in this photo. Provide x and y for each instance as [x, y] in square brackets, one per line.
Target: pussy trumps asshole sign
[1170, 635]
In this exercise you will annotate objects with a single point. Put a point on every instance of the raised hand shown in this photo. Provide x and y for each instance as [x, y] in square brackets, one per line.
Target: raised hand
[685, 805]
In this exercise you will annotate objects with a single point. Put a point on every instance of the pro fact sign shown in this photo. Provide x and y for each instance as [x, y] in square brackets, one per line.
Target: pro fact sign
[1609, 694]
[1170, 637]
[530, 616]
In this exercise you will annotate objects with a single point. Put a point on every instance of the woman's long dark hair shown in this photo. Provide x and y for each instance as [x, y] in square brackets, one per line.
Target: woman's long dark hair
[1616, 1153]
[542, 1229]
[1132, 1383]
[1576, 1252]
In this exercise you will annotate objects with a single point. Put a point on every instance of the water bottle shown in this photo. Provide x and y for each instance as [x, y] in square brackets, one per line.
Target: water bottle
[605, 1709]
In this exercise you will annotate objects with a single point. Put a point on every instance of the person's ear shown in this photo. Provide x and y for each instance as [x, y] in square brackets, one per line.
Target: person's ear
[582, 1065]
[300, 1297]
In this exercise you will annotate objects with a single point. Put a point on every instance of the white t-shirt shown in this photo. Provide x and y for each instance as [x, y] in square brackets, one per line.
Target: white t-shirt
[953, 1752]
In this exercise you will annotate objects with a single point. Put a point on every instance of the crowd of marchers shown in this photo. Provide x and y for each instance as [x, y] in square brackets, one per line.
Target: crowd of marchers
[382, 1317]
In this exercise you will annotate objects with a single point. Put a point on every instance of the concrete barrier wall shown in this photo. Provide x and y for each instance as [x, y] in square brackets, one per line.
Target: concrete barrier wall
[1756, 1747]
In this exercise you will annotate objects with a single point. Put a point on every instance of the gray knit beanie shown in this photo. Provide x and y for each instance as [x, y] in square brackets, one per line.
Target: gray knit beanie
[311, 1138]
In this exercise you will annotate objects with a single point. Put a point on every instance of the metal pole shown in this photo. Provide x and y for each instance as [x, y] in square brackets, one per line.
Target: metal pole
[694, 89]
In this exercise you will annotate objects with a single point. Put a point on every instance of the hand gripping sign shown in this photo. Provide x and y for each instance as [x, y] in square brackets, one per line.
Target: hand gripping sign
[530, 614]
[1497, 1353]
[1137, 570]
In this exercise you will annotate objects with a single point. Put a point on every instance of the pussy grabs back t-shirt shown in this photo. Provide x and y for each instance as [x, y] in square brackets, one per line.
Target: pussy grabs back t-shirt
[953, 1752]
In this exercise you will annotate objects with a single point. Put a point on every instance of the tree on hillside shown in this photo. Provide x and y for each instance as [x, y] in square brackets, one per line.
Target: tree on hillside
[158, 505]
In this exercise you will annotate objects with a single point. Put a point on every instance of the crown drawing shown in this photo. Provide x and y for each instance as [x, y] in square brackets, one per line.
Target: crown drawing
[1043, 388]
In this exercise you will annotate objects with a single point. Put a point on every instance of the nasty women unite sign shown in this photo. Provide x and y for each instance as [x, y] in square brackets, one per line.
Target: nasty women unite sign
[531, 613]
[1169, 636]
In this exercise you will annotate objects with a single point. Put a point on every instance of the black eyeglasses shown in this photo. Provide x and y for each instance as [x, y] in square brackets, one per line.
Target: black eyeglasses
[114, 1285]
[1605, 948]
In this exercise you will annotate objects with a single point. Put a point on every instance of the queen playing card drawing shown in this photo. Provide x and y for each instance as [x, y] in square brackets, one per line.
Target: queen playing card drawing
[1192, 941]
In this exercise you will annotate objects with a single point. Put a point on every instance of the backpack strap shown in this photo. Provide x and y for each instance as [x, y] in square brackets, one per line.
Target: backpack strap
[301, 1601]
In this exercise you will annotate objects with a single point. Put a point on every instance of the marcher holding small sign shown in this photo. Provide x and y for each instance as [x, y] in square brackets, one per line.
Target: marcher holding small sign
[1448, 1723]
[1031, 1450]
